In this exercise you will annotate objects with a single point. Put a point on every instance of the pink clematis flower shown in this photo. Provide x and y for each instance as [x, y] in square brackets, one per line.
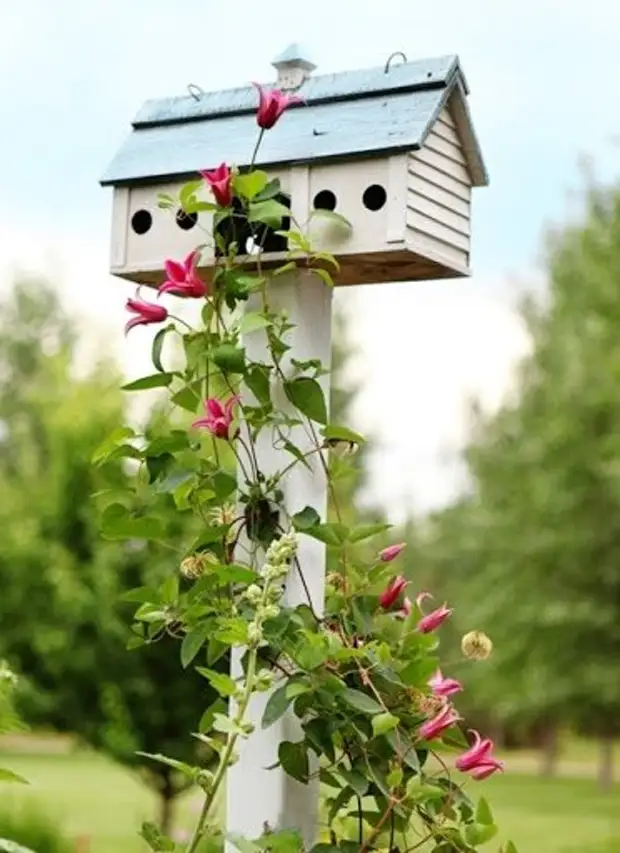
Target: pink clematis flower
[182, 277]
[146, 313]
[392, 592]
[478, 760]
[391, 552]
[444, 687]
[431, 621]
[434, 727]
[218, 418]
[271, 105]
[220, 182]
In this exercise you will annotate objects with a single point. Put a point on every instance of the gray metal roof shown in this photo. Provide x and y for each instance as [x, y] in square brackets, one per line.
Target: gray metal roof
[349, 114]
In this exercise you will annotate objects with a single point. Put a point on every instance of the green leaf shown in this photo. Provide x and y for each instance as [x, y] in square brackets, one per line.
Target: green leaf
[305, 518]
[242, 844]
[252, 321]
[257, 380]
[111, 443]
[294, 760]
[9, 776]
[276, 706]
[174, 480]
[510, 848]
[332, 217]
[118, 523]
[229, 358]
[221, 682]
[404, 749]
[484, 814]
[187, 398]
[155, 840]
[229, 573]
[157, 380]
[188, 190]
[478, 833]
[360, 701]
[324, 275]
[272, 189]
[383, 723]
[193, 642]
[158, 343]
[307, 395]
[158, 465]
[354, 780]
[251, 183]
[181, 766]
[342, 433]
[367, 531]
[270, 212]
[332, 534]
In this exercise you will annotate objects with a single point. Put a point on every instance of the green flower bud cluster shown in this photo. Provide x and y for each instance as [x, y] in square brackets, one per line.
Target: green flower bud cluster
[278, 557]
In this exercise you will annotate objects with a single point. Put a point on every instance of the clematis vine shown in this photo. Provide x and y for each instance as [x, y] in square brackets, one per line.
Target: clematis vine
[354, 670]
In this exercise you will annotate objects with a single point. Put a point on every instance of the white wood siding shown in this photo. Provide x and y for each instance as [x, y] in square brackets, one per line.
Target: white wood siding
[439, 196]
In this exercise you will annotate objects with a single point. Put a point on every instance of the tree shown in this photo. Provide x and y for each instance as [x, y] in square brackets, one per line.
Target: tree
[537, 543]
[64, 626]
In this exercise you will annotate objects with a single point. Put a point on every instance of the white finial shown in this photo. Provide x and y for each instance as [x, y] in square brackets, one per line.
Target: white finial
[293, 67]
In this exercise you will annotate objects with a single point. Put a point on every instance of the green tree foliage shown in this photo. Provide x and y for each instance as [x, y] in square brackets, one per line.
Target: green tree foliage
[64, 626]
[535, 549]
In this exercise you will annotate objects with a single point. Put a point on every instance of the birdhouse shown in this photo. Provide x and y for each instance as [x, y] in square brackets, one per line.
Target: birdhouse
[392, 149]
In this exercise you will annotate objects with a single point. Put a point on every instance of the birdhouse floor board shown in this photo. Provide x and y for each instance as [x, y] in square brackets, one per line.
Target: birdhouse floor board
[363, 268]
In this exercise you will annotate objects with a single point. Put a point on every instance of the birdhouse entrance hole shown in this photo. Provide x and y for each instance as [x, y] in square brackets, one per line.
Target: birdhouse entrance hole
[251, 237]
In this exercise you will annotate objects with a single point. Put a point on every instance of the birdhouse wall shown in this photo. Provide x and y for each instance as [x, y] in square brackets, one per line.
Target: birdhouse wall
[144, 235]
[439, 197]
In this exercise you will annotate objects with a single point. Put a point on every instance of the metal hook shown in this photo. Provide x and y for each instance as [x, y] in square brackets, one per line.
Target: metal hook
[195, 91]
[391, 57]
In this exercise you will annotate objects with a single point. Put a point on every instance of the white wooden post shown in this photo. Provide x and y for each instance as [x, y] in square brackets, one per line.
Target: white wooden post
[255, 795]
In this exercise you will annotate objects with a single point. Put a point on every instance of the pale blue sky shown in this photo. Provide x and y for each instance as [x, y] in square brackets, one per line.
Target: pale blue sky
[544, 75]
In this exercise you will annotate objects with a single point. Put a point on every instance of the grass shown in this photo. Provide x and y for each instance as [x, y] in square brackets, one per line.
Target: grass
[91, 797]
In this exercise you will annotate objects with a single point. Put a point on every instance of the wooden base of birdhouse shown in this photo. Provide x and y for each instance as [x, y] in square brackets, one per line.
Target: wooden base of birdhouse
[401, 264]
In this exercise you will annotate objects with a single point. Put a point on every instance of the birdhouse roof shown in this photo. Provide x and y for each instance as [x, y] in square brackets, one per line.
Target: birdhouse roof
[371, 112]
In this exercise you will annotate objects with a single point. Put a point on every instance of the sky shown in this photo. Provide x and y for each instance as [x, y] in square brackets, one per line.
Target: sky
[544, 77]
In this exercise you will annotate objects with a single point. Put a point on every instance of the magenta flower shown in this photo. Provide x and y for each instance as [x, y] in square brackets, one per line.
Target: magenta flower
[220, 182]
[182, 277]
[392, 592]
[218, 419]
[431, 621]
[146, 313]
[446, 718]
[391, 552]
[478, 760]
[444, 687]
[271, 105]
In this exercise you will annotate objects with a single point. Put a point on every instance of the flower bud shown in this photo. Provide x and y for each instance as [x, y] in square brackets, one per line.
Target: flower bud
[204, 778]
[476, 645]
[270, 611]
[253, 594]
[255, 634]
[263, 681]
